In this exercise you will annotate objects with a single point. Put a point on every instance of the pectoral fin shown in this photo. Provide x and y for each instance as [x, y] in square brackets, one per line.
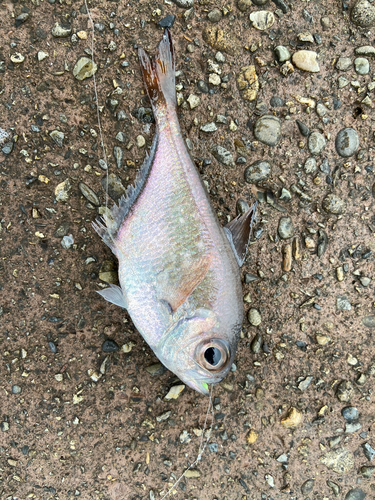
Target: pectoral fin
[114, 295]
[238, 232]
[175, 283]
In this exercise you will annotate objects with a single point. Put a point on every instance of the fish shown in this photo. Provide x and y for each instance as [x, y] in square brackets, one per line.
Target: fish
[179, 269]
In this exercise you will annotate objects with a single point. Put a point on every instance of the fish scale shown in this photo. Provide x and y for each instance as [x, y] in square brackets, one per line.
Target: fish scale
[178, 268]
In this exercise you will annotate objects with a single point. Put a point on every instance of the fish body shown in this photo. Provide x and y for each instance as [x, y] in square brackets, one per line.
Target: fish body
[178, 268]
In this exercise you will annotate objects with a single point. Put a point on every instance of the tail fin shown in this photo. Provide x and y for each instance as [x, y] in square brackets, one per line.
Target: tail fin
[159, 74]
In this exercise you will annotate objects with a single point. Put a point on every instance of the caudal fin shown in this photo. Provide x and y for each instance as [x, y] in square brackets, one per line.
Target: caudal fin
[159, 73]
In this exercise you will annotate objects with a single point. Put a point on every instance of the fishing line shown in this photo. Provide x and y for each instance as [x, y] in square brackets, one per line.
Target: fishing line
[202, 446]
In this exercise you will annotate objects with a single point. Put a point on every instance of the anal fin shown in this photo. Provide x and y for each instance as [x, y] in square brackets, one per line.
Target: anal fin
[238, 232]
[114, 295]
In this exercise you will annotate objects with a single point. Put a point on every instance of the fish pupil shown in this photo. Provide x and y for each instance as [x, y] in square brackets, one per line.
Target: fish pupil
[212, 355]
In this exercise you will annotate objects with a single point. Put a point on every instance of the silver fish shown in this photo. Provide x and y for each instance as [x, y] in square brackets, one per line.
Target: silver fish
[178, 268]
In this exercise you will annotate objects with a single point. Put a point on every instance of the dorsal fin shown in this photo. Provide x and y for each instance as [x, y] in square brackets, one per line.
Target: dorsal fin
[238, 232]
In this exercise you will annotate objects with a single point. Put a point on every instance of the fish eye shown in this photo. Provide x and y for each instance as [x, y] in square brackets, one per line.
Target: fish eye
[213, 355]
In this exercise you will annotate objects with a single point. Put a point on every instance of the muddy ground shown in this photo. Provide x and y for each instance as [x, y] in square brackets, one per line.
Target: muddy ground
[82, 417]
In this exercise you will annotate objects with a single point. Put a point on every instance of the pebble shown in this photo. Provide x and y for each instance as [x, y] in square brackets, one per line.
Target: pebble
[306, 60]
[285, 228]
[365, 50]
[350, 413]
[208, 127]
[219, 39]
[244, 5]
[287, 258]
[4, 426]
[344, 63]
[60, 31]
[367, 470]
[156, 369]
[269, 480]
[89, 194]
[368, 451]
[333, 204]
[355, 494]
[369, 321]
[362, 66]
[203, 87]
[304, 384]
[334, 487]
[110, 346]
[350, 428]
[347, 142]
[17, 58]
[247, 82]
[214, 79]
[114, 188]
[42, 55]
[344, 391]
[174, 392]
[363, 14]
[16, 389]
[254, 317]
[304, 129]
[184, 4]
[310, 165]
[140, 141]
[21, 19]
[340, 460]
[251, 437]
[293, 419]
[282, 54]
[193, 101]
[118, 153]
[7, 148]
[67, 242]
[307, 486]
[316, 143]
[256, 343]
[215, 15]
[262, 19]
[62, 190]
[84, 68]
[223, 156]
[167, 21]
[276, 101]
[58, 137]
[257, 171]
[267, 129]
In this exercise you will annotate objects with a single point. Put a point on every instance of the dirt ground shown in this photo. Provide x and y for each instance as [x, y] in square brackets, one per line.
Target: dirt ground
[82, 399]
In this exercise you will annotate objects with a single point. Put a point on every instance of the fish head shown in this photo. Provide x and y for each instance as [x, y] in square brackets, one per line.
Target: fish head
[198, 350]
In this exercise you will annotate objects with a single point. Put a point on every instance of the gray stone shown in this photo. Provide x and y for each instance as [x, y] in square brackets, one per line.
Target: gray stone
[114, 188]
[184, 4]
[58, 137]
[350, 428]
[365, 50]
[367, 471]
[209, 127]
[285, 228]
[369, 451]
[344, 63]
[89, 194]
[307, 486]
[310, 165]
[267, 129]
[369, 321]
[350, 413]
[363, 14]
[343, 304]
[361, 66]
[60, 31]
[156, 369]
[254, 317]
[344, 391]
[334, 487]
[340, 460]
[84, 68]
[244, 5]
[262, 19]
[257, 171]
[16, 389]
[215, 15]
[223, 156]
[355, 494]
[304, 384]
[347, 142]
[118, 153]
[316, 143]
[333, 204]
[282, 54]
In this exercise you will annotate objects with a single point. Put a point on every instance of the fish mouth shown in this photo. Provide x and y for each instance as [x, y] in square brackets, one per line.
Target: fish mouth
[201, 384]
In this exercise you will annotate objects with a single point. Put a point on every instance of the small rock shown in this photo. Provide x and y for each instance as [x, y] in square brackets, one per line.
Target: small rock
[67, 242]
[215, 15]
[347, 142]
[350, 413]
[365, 50]
[21, 19]
[350, 428]
[276, 101]
[307, 486]
[285, 228]
[62, 190]
[287, 258]
[89, 194]
[267, 129]
[84, 68]
[362, 66]
[344, 63]
[355, 494]
[192, 473]
[333, 204]
[344, 391]
[256, 343]
[363, 14]
[282, 54]
[248, 84]
[304, 129]
[193, 101]
[244, 5]
[367, 471]
[156, 369]
[202, 87]
[167, 21]
[316, 143]
[254, 317]
[17, 58]
[257, 172]
[110, 346]
[223, 156]
[4, 426]
[262, 19]
[58, 137]
[118, 153]
[306, 60]
[340, 460]
[251, 437]
[140, 141]
[174, 392]
[365, 281]
[114, 188]
[208, 127]
[310, 165]
[369, 321]
[60, 31]
[16, 389]
[368, 451]
[184, 4]
[304, 384]
[214, 79]
[270, 481]
[293, 419]
[220, 39]
[42, 55]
